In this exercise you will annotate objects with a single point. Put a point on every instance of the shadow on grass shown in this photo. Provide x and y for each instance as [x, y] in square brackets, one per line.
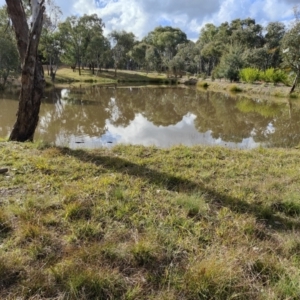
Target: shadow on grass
[267, 214]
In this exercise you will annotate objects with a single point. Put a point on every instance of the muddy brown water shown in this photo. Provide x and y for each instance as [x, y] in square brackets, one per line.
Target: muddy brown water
[161, 116]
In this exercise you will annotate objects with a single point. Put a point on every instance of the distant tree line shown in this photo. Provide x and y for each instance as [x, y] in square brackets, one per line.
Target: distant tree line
[220, 51]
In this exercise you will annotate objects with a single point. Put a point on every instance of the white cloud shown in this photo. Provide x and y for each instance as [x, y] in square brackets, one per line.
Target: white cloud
[142, 16]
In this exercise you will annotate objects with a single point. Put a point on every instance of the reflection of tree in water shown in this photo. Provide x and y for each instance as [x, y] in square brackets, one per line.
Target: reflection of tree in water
[86, 112]
[283, 126]
[164, 112]
[261, 114]
[220, 114]
[215, 112]
[155, 104]
[79, 114]
[121, 107]
[287, 133]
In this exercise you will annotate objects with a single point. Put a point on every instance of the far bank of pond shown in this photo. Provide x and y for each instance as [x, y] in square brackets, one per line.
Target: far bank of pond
[86, 77]
[65, 75]
[258, 88]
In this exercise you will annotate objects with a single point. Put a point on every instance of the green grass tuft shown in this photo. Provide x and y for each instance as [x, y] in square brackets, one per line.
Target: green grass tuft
[133, 222]
[235, 89]
[203, 84]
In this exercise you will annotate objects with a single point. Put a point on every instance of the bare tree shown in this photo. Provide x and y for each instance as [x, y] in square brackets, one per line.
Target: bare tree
[32, 78]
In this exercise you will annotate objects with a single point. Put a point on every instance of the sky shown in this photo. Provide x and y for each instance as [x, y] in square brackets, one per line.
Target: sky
[142, 16]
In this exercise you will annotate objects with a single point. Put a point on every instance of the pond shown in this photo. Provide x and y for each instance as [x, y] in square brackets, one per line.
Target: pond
[161, 116]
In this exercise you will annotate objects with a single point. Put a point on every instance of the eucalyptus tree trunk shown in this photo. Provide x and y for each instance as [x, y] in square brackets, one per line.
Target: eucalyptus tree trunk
[32, 77]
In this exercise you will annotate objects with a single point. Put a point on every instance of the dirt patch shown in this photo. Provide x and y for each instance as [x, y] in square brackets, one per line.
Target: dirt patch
[8, 192]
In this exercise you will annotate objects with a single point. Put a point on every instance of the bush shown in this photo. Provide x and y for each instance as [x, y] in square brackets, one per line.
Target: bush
[203, 84]
[249, 75]
[231, 63]
[280, 76]
[274, 76]
[235, 89]
[267, 76]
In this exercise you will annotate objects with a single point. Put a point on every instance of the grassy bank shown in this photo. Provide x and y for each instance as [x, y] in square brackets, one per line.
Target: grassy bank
[144, 223]
[263, 89]
[66, 75]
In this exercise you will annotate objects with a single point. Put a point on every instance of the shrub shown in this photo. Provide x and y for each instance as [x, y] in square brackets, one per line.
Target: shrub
[249, 75]
[280, 76]
[274, 76]
[203, 84]
[267, 75]
[235, 89]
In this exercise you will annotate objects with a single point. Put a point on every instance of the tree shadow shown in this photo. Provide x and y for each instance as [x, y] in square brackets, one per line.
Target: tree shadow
[264, 214]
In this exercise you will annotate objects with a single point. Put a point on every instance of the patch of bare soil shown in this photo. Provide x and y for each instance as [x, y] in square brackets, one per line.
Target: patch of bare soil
[8, 192]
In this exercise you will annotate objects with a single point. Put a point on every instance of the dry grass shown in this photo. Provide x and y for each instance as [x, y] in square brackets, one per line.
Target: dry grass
[145, 223]
[266, 89]
[66, 75]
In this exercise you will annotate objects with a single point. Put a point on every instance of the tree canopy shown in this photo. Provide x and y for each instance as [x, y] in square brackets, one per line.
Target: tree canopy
[221, 50]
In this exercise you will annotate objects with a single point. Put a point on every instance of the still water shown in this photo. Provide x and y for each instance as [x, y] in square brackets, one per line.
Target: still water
[161, 116]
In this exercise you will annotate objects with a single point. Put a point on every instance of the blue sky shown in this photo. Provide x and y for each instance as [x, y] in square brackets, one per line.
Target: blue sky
[142, 16]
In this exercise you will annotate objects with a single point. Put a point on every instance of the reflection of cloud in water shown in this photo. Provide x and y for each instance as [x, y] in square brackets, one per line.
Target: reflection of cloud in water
[65, 93]
[113, 109]
[142, 132]
[270, 129]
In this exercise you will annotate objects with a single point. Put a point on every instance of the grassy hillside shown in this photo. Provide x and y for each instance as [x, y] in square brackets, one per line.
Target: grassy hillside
[66, 75]
[145, 223]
